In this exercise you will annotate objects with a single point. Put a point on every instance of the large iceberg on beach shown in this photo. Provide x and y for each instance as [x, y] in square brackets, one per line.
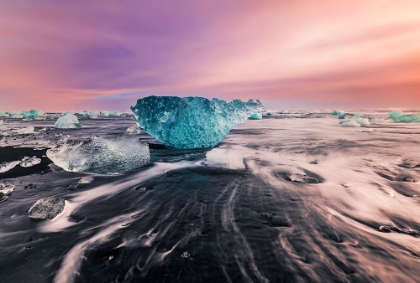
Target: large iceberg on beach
[3, 113]
[68, 121]
[401, 117]
[99, 155]
[191, 122]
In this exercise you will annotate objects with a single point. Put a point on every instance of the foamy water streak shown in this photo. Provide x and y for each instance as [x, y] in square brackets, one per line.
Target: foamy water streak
[79, 199]
[366, 182]
[74, 257]
[72, 260]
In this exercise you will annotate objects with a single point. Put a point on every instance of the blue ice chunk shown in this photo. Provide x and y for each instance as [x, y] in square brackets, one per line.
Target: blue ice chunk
[255, 116]
[93, 114]
[115, 114]
[68, 121]
[401, 117]
[191, 122]
[16, 114]
[3, 114]
[337, 113]
[32, 113]
[26, 114]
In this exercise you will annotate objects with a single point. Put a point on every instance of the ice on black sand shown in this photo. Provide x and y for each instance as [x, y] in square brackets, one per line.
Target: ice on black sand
[6, 190]
[47, 208]
[30, 161]
[225, 158]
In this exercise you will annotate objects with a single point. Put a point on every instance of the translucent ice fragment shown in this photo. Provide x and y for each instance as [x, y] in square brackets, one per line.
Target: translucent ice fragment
[225, 158]
[360, 121]
[86, 180]
[30, 161]
[25, 131]
[6, 166]
[68, 121]
[16, 114]
[133, 130]
[87, 115]
[302, 178]
[93, 114]
[6, 188]
[99, 155]
[47, 208]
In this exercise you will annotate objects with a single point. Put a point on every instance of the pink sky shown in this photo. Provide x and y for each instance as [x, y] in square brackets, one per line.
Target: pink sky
[92, 55]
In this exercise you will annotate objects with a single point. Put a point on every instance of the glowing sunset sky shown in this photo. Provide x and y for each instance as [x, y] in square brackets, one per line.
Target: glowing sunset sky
[86, 55]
